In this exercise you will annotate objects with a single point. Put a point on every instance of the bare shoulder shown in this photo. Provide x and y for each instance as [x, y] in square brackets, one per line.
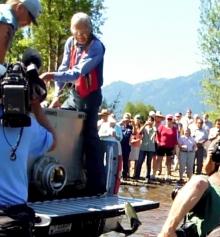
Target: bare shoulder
[215, 178]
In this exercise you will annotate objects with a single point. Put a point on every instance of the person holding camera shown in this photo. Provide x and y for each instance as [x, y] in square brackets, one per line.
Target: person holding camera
[15, 14]
[82, 66]
[127, 127]
[18, 144]
[199, 201]
[22, 138]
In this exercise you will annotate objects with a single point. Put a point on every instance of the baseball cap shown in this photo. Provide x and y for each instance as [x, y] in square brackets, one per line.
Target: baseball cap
[33, 7]
[195, 116]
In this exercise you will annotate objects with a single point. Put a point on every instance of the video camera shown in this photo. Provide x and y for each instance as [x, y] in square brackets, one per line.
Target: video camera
[18, 87]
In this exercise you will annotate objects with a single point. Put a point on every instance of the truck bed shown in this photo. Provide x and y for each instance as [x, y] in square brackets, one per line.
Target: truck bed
[85, 216]
[103, 206]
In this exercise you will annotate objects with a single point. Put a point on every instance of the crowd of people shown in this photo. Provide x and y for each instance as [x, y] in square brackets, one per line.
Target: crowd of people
[181, 140]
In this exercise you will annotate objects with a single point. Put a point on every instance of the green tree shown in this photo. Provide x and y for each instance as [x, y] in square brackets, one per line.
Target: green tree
[138, 108]
[19, 44]
[130, 107]
[54, 28]
[210, 48]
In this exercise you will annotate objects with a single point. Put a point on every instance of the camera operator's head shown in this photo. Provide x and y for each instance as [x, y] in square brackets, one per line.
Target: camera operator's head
[212, 161]
[26, 11]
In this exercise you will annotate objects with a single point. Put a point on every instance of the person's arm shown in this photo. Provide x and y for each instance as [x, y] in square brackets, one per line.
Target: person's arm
[133, 139]
[209, 165]
[143, 127]
[5, 39]
[43, 121]
[185, 200]
[41, 140]
[181, 144]
[118, 132]
[85, 65]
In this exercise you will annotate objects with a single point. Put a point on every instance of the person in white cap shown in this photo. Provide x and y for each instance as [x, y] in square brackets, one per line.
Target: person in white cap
[13, 15]
[152, 113]
[32, 141]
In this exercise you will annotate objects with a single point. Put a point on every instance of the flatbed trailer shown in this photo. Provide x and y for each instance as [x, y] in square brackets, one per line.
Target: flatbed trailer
[57, 181]
[85, 215]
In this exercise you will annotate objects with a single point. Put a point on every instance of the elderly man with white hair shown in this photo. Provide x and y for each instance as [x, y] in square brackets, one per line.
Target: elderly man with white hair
[82, 66]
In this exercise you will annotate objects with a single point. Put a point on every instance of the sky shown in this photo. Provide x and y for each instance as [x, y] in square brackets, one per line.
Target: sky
[150, 39]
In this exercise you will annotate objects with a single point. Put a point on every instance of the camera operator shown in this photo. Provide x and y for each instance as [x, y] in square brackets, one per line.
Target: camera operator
[21, 138]
[199, 200]
[15, 14]
[19, 143]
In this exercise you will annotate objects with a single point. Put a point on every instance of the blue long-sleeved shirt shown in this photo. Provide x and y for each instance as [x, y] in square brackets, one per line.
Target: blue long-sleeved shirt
[35, 141]
[90, 60]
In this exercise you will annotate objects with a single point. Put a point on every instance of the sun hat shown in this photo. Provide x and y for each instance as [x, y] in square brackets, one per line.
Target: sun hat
[33, 7]
[158, 114]
[152, 113]
[104, 112]
[169, 116]
[127, 116]
[195, 116]
[177, 114]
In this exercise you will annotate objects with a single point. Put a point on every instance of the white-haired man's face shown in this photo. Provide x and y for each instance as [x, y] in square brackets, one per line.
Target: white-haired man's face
[81, 32]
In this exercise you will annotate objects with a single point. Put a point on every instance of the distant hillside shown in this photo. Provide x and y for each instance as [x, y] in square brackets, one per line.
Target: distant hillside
[166, 95]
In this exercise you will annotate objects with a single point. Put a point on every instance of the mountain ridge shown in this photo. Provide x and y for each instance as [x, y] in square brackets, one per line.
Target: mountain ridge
[169, 95]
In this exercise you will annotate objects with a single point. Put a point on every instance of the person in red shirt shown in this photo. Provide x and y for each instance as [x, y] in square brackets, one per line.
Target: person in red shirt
[167, 141]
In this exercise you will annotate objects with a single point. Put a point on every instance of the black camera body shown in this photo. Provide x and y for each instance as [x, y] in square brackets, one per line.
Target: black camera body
[15, 95]
[216, 153]
[19, 85]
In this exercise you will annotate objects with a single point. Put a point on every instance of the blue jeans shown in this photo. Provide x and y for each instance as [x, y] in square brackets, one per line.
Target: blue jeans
[140, 161]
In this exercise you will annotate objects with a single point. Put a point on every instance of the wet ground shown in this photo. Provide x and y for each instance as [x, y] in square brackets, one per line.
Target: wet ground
[152, 220]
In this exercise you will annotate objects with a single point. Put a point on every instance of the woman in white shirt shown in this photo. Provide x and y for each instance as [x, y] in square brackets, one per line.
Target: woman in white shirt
[187, 146]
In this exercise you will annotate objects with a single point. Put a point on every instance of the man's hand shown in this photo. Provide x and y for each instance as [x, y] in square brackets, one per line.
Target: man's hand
[209, 165]
[55, 103]
[47, 76]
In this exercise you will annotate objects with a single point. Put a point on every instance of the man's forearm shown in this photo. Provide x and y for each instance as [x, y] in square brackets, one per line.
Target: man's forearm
[209, 165]
[185, 200]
